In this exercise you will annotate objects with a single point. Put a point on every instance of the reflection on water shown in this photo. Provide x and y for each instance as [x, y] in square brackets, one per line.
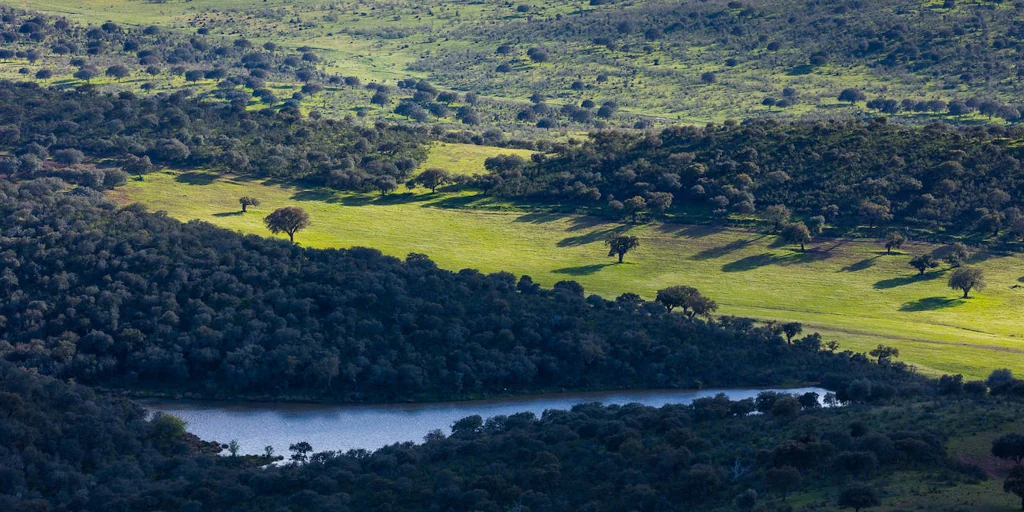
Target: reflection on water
[343, 427]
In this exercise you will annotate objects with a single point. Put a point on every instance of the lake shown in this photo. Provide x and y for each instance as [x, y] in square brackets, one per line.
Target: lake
[343, 427]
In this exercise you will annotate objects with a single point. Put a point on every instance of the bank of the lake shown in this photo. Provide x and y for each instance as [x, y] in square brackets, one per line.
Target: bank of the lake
[344, 427]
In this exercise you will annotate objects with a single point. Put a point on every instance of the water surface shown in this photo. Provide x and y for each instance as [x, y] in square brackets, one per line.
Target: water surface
[343, 427]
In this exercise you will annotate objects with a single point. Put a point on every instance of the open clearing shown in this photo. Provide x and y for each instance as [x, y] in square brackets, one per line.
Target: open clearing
[848, 290]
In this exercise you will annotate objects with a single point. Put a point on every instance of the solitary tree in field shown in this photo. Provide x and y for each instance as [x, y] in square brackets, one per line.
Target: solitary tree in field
[852, 95]
[247, 201]
[966, 279]
[622, 244]
[433, 178]
[923, 262]
[859, 496]
[289, 219]
[894, 240]
[796, 233]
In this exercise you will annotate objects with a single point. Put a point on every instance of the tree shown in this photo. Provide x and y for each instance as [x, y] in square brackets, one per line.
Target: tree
[195, 75]
[885, 354]
[289, 219]
[247, 201]
[385, 184]
[676, 296]
[791, 329]
[1015, 483]
[300, 451]
[268, 451]
[966, 279]
[233, 447]
[816, 224]
[622, 244]
[923, 262]
[433, 178]
[1009, 447]
[796, 233]
[874, 213]
[118, 71]
[137, 166]
[958, 252]
[858, 496]
[778, 215]
[852, 95]
[894, 240]
[633, 206]
[783, 480]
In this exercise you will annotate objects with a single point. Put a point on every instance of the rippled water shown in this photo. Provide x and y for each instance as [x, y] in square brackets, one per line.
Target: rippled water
[342, 427]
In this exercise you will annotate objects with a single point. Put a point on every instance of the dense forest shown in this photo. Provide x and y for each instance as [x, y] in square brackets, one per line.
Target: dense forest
[123, 298]
[67, 448]
[872, 173]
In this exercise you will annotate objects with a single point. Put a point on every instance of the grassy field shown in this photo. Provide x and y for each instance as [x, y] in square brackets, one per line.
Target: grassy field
[848, 290]
[466, 158]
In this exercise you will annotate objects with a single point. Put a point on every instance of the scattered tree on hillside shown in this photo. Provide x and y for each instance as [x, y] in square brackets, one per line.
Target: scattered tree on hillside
[923, 262]
[633, 206]
[136, 165]
[966, 279]
[894, 240]
[620, 245]
[289, 219]
[247, 201]
[118, 71]
[433, 178]
[852, 96]
[796, 233]
[300, 451]
[874, 213]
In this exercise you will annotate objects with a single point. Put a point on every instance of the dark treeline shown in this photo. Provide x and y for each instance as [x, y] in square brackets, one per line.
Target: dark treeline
[124, 298]
[850, 172]
[38, 124]
[65, 448]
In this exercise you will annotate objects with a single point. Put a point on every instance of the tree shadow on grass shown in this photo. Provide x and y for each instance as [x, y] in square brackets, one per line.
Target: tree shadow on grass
[693, 230]
[324, 196]
[718, 252]
[860, 265]
[540, 217]
[765, 259]
[895, 282]
[598, 235]
[227, 214]
[584, 270]
[196, 178]
[930, 304]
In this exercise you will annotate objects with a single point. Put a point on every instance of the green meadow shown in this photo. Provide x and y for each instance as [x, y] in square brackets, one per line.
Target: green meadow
[847, 289]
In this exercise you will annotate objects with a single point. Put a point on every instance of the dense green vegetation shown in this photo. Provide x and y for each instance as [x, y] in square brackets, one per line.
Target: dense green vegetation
[934, 179]
[65, 448]
[653, 60]
[120, 297]
[848, 289]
